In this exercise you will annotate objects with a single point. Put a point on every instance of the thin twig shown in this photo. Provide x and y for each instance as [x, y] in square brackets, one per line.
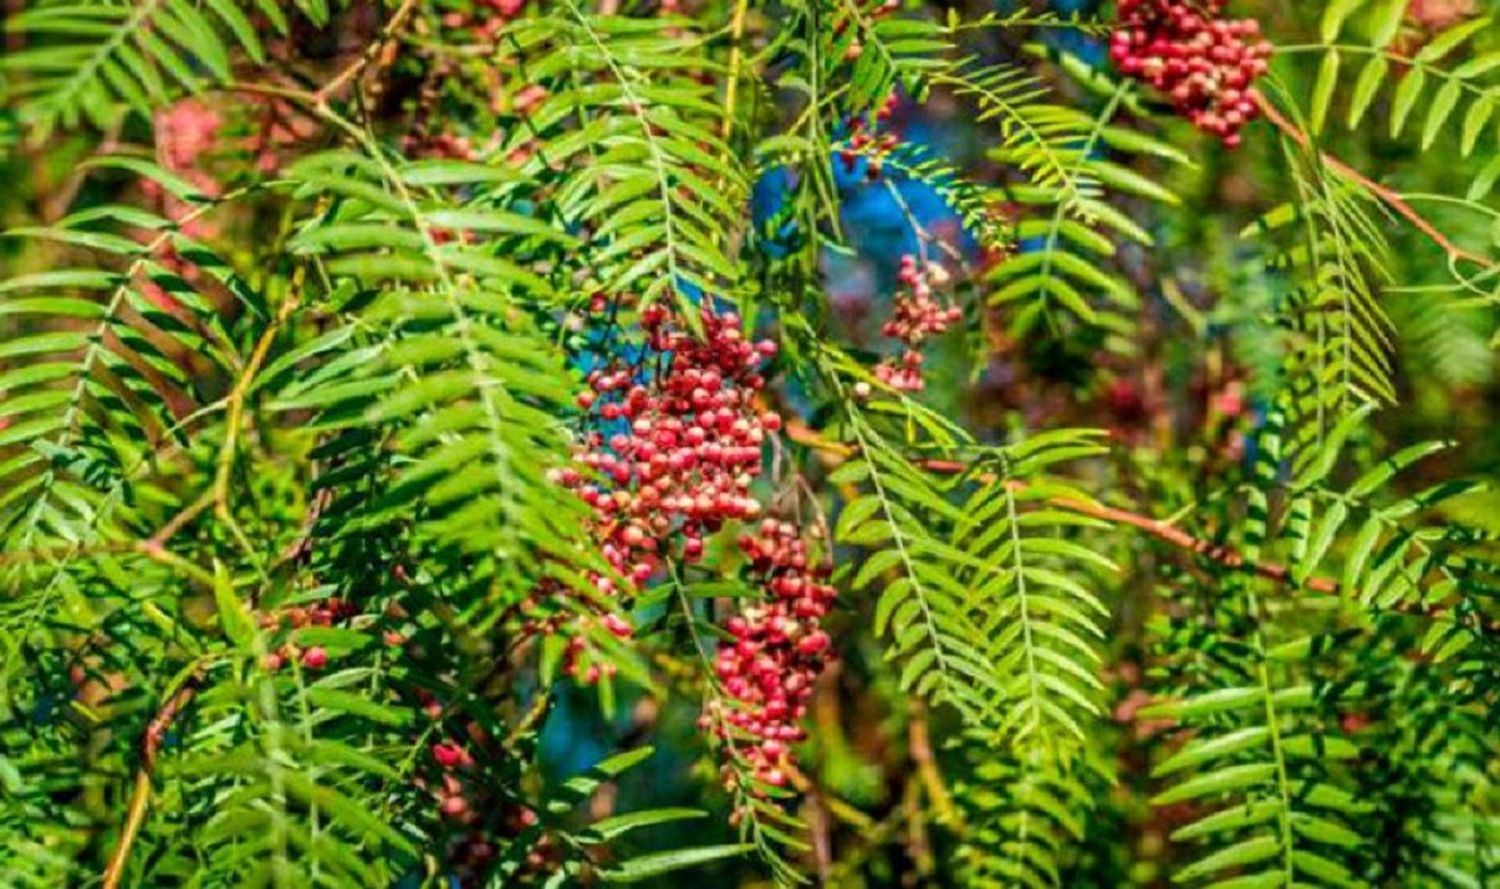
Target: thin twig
[1392, 199]
[236, 407]
[529, 720]
[387, 34]
[835, 452]
[140, 797]
[153, 547]
[919, 745]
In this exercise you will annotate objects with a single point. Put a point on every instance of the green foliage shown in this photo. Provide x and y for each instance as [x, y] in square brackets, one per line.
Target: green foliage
[646, 140]
[1432, 95]
[93, 62]
[1063, 153]
[1267, 751]
[1159, 576]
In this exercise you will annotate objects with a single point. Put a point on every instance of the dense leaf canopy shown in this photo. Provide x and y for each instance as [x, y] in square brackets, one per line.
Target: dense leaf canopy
[850, 442]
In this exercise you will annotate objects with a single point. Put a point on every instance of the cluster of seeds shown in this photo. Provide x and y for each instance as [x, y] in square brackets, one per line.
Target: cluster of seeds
[1204, 63]
[864, 142]
[455, 778]
[447, 146]
[779, 649]
[278, 128]
[318, 614]
[918, 314]
[676, 445]
[482, 823]
[579, 658]
[185, 131]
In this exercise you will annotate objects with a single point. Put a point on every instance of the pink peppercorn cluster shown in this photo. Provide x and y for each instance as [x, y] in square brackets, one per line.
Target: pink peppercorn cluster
[1436, 15]
[918, 315]
[482, 822]
[779, 649]
[579, 658]
[677, 445]
[864, 142]
[184, 131]
[1204, 63]
[319, 614]
[675, 454]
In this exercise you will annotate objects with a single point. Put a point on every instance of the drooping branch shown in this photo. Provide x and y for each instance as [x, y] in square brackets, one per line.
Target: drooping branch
[1164, 531]
[834, 453]
[1390, 198]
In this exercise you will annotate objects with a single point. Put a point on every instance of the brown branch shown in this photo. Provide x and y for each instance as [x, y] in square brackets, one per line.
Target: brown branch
[153, 547]
[1392, 199]
[919, 744]
[834, 453]
[1164, 531]
[371, 53]
[1179, 538]
[140, 797]
[177, 522]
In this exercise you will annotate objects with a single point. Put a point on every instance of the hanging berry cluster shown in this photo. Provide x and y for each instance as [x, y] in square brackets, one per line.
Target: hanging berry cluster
[677, 445]
[918, 315]
[318, 614]
[865, 142]
[481, 822]
[779, 649]
[1204, 63]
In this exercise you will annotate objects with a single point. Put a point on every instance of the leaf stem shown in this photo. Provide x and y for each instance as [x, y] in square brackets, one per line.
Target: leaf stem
[1390, 198]
[836, 452]
[140, 797]
[736, 34]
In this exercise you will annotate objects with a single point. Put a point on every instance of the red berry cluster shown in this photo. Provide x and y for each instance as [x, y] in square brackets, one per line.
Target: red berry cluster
[446, 146]
[463, 800]
[187, 134]
[917, 316]
[184, 131]
[278, 129]
[579, 658]
[677, 445]
[778, 652]
[319, 614]
[1204, 63]
[864, 142]
[453, 761]
[676, 452]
